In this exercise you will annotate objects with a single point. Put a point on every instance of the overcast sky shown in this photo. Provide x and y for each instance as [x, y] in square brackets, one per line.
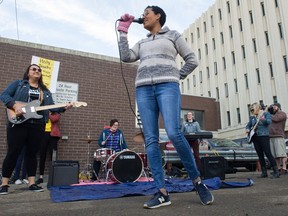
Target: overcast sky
[88, 25]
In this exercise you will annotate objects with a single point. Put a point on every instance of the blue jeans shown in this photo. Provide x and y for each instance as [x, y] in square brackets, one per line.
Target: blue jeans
[164, 98]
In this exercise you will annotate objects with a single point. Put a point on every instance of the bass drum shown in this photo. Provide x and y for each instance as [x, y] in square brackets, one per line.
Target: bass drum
[124, 166]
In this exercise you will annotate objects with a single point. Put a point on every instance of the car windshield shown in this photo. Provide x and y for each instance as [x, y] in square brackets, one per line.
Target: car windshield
[223, 143]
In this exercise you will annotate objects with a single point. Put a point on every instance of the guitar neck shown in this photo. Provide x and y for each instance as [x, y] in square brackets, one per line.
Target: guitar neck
[40, 108]
[258, 119]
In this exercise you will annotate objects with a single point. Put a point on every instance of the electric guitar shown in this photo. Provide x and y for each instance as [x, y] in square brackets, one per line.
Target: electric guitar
[252, 132]
[30, 110]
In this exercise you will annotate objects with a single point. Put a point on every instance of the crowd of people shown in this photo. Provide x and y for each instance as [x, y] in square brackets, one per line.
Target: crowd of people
[266, 129]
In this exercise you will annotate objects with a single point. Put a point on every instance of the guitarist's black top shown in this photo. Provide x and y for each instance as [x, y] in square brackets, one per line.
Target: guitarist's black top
[20, 90]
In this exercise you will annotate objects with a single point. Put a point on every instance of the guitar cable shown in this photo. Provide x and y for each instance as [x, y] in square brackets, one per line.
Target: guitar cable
[125, 84]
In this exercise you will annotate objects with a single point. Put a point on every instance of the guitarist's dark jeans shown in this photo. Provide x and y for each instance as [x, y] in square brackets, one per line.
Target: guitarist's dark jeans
[262, 146]
[28, 134]
[48, 143]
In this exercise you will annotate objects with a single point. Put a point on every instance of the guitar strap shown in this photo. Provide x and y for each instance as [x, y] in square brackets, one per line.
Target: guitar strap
[41, 96]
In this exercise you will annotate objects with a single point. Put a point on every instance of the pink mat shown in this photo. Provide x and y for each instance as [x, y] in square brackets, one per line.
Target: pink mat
[103, 182]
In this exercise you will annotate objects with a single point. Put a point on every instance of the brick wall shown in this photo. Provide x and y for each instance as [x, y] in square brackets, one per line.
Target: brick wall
[100, 85]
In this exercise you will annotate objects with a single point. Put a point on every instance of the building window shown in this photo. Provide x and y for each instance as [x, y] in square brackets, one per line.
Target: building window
[285, 63]
[212, 22]
[198, 32]
[236, 85]
[240, 24]
[243, 51]
[226, 90]
[194, 80]
[276, 3]
[199, 54]
[224, 62]
[220, 14]
[254, 45]
[188, 84]
[263, 8]
[222, 37]
[267, 38]
[217, 93]
[258, 75]
[206, 49]
[192, 39]
[231, 32]
[200, 77]
[182, 87]
[275, 100]
[251, 17]
[228, 118]
[238, 115]
[246, 81]
[280, 30]
[209, 93]
[261, 103]
[205, 29]
[248, 109]
[228, 6]
[215, 68]
[213, 42]
[238, 2]
[208, 72]
[233, 57]
[271, 69]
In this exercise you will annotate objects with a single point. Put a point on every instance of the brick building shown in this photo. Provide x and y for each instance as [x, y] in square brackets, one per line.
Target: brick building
[100, 85]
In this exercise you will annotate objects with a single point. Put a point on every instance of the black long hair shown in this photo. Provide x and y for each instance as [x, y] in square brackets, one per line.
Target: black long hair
[40, 81]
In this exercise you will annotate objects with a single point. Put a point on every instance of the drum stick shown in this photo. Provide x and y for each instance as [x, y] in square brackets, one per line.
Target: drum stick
[106, 139]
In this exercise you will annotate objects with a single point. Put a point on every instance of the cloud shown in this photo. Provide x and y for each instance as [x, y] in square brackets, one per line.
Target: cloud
[88, 25]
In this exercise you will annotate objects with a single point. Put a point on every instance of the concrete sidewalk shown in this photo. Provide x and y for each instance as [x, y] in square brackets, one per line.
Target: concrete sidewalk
[266, 197]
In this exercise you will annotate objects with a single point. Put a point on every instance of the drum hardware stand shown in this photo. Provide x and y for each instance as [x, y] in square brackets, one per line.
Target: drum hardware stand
[87, 172]
[107, 174]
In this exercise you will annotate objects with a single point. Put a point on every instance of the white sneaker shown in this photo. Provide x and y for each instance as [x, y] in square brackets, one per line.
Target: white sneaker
[25, 181]
[18, 182]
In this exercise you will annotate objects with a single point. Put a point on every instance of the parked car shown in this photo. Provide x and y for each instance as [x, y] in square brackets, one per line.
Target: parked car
[235, 155]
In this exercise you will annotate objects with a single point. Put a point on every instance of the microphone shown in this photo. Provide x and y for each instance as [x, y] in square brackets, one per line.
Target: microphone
[138, 20]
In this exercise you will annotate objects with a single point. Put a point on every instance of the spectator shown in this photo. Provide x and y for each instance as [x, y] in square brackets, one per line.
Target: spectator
[50, 141]
[260, 120]
[277, 134]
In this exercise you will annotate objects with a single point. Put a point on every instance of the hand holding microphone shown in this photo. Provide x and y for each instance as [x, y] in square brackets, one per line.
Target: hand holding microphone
[125, 22]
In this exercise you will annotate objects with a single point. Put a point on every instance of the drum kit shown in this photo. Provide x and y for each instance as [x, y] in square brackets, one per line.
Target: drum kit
[124, 166]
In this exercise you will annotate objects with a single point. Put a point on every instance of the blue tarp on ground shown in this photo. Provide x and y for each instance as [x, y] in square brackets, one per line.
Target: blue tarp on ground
[107, 191]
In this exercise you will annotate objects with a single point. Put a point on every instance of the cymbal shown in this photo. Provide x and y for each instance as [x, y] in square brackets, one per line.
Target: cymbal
[139, 138]
[89, 139]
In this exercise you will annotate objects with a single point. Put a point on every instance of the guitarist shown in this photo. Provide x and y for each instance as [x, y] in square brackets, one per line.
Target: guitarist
[262, 119]
[29, 133]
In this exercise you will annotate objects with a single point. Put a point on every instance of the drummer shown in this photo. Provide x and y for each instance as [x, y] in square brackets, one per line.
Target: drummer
[112, 138]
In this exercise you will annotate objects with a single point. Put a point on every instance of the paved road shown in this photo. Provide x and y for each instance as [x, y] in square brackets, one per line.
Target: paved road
[266, 197]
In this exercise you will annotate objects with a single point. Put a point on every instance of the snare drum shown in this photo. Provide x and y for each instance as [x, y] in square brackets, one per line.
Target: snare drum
[103, 153]
[124, 166]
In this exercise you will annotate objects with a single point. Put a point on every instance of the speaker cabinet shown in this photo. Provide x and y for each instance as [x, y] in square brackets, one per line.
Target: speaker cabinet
[63, 173]
[213, 167]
